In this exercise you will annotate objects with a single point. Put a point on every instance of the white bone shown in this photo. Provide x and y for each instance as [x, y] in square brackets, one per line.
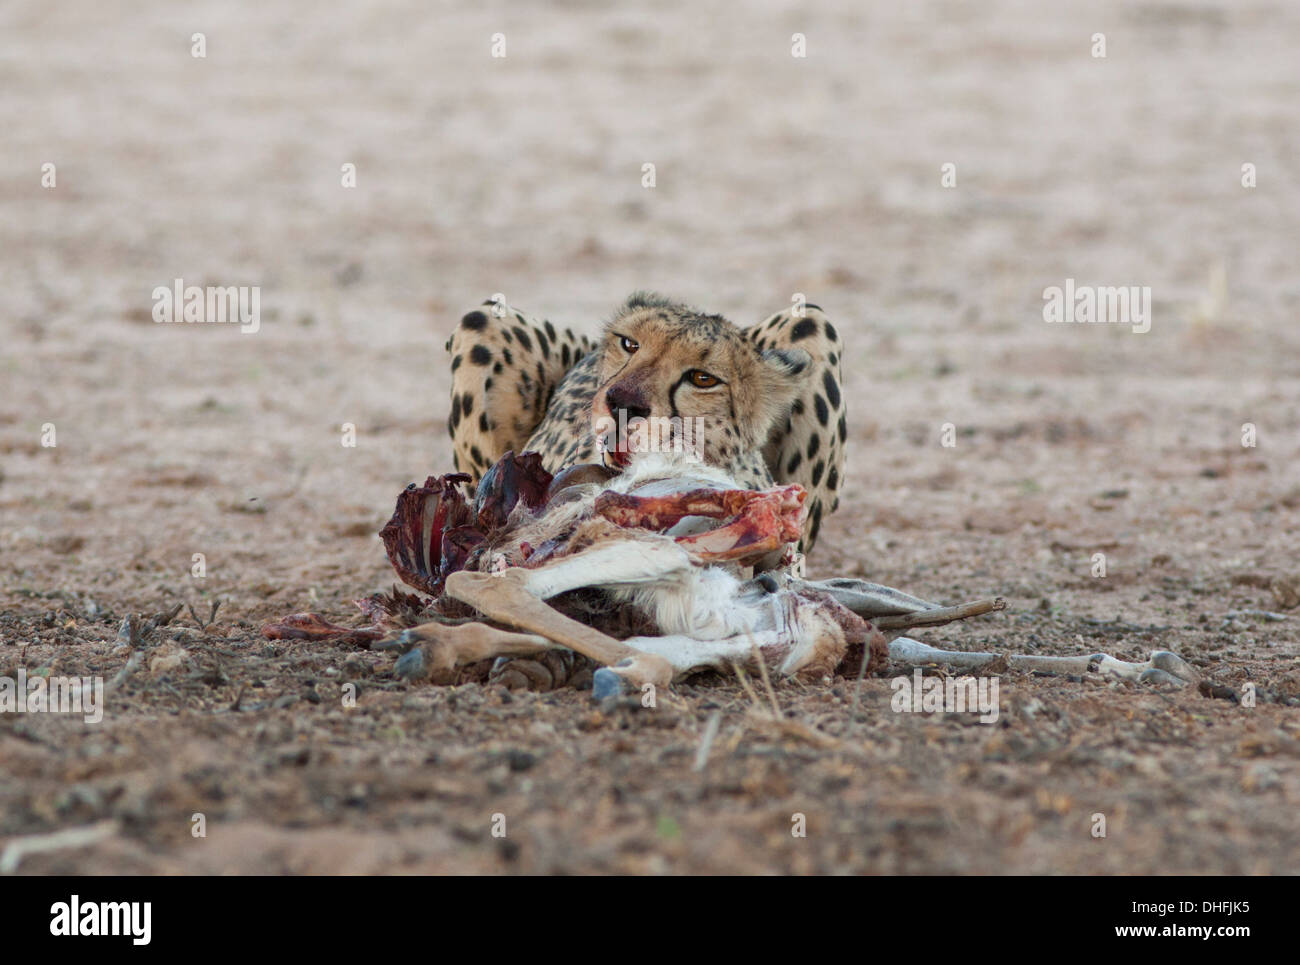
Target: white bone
[1162, 666]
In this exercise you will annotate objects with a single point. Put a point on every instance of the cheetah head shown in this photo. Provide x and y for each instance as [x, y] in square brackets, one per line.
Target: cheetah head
[672, 377]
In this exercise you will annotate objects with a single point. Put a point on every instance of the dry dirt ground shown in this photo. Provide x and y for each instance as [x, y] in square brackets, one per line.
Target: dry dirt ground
[775, 175]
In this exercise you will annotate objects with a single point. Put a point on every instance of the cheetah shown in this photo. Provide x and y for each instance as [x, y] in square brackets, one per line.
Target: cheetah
[765, 402]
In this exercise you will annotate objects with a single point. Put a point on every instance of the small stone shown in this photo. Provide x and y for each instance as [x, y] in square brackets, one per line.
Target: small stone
[520, 760]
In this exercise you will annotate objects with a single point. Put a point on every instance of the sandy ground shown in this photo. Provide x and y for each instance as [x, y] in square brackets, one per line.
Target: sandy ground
[774, 175]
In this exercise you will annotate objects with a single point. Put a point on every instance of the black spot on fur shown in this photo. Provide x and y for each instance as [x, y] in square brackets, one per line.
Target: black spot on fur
[830, 331]
[480, 355]
[814, 444]
[832, 390]
[844, 429]
[455, 363]
[524, 340]
[817, 472]
[833, 480]
[804, 329]
[475, 321]
[823, 413]
[482, 422]
[793, 464]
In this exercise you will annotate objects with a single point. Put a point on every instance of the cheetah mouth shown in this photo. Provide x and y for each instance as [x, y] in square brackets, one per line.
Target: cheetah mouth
[618, 454]
[619, 449]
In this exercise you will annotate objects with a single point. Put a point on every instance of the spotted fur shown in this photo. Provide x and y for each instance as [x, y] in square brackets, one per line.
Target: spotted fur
[775, 414]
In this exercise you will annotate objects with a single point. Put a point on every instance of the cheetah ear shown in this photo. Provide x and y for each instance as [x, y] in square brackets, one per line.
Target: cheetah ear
[789, 363]
[781, 374]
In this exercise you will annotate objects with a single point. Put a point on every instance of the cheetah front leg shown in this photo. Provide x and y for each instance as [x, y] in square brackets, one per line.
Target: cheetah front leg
[505, 369]
[807, 446]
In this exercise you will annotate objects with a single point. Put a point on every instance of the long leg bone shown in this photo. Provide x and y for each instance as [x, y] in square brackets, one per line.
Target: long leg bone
[807, 635]
[1162, 667]
[507, 598]
[893, 611]
[938, 616]
[436, 650]
[630, 563]
[792, 635]
[868, 600]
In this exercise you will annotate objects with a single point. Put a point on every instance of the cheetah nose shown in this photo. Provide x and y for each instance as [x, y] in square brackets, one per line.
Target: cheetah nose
[620, 397]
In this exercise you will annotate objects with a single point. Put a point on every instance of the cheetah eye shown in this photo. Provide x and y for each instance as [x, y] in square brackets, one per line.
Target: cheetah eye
[629, 346]
[701, 379]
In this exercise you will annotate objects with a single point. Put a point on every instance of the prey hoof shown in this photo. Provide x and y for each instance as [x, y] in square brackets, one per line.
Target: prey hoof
[1174, 666]
[404, 641]
[410, 665]
[606, 683]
